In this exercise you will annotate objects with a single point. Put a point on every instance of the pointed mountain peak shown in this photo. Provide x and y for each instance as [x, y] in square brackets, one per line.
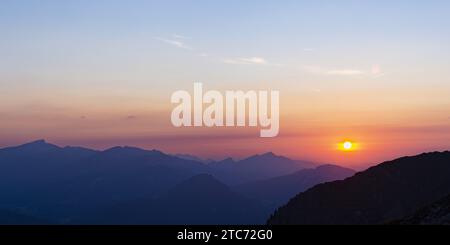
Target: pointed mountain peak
[36, 142]
[266, 156]
[228, 159]
[132, 150]
[269, 154]
[124, 149]
[225, 161]
[37, 145]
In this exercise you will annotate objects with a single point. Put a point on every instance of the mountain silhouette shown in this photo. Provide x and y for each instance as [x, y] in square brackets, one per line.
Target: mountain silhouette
[257, 167]
[61, 182]
[200, 200]
[129, 185]
[277, 191]
[386, 192]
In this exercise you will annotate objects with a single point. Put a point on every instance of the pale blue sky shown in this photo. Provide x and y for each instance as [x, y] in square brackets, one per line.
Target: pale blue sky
[79, 36]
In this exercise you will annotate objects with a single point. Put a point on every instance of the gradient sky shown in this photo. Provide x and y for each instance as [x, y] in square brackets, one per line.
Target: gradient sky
[100, 73]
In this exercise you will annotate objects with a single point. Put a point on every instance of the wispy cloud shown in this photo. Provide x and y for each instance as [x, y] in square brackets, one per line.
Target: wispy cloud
[374, 72]
[338, 72]
[178, 36]
[308, 49]
[179, 41]
[176, 43]
[345, 72]
[246, 61]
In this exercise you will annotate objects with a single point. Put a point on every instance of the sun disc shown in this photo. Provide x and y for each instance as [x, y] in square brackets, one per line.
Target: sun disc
[348, 145]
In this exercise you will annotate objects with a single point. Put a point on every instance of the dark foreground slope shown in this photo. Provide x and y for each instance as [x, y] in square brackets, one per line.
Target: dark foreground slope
[386, 192]
[437, 213]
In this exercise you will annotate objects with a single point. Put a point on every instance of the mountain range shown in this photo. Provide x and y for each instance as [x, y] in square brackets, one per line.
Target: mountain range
[66, 184]
[41, 183]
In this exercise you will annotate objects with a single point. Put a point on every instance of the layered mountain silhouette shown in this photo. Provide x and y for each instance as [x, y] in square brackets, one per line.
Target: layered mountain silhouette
[277, 191]
[383, 193]
[63, 184]
[200, 200]
[49, 181]
[256, 167]
[41, 183]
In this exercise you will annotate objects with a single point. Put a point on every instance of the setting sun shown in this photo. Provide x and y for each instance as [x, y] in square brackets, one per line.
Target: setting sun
[347, 146]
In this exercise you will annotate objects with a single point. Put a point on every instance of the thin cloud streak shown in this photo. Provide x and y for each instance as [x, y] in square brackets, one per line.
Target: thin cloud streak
[175, 43]
[375, 71]
[246, 61]
[177, 36]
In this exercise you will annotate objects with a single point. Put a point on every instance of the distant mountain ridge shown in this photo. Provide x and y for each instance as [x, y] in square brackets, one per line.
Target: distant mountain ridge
[257, 167]
[63, 183]
[72, 185]
[277, 191]
[50, 181]
[386, 192]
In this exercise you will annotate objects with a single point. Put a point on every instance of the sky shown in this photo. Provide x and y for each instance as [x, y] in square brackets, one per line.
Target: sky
[100, 73]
